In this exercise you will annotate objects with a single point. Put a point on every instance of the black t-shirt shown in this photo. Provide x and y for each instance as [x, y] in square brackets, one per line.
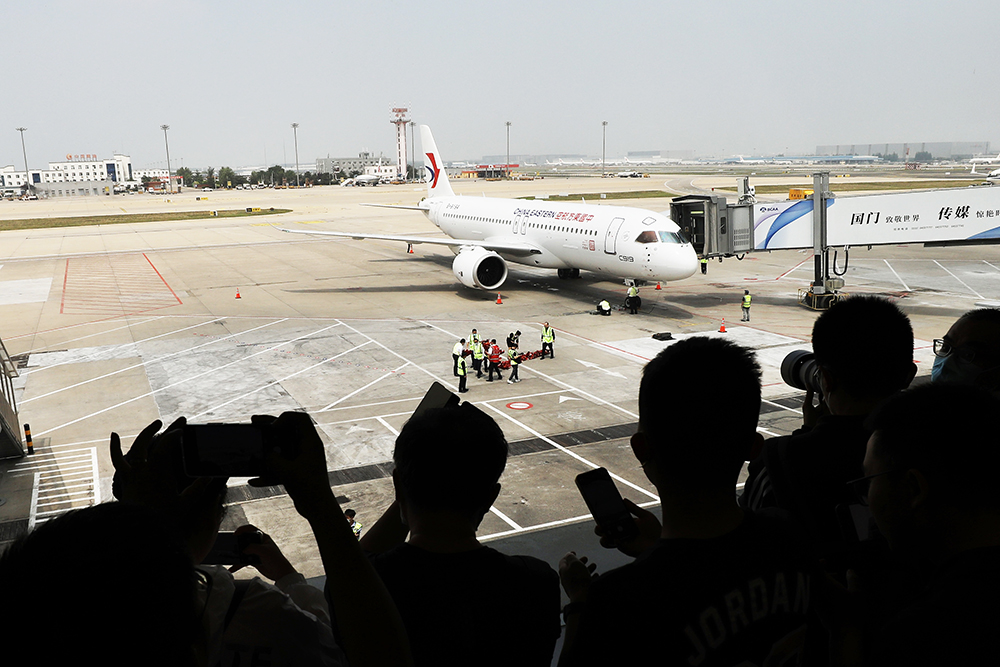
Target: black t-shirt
[744, 596]
[953, 621]
[479, 607]
[806, 474]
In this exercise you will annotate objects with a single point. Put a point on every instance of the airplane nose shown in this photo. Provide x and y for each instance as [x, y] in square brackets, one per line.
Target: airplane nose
[682, 262]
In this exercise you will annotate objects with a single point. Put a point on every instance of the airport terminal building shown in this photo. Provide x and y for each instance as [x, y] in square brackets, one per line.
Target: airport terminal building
[945, 150]
[78, 175]
[364, 160]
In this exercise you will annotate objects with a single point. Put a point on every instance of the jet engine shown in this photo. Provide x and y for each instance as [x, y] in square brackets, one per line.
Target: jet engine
[478, 267]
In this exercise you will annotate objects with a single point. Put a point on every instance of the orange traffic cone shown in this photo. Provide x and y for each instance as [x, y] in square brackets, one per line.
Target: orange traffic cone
[409, 248]
[722, 329]
[238, 293]
[499, 300]
[658, 285]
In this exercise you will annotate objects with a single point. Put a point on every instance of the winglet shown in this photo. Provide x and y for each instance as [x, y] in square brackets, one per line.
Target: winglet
[437, 178]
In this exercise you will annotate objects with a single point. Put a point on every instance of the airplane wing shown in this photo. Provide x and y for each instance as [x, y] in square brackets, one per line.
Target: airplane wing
[519, 249]
[405, 208]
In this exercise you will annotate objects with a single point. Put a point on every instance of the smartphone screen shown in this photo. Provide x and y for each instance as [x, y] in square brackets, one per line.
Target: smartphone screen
[223, 450]
[605, 504]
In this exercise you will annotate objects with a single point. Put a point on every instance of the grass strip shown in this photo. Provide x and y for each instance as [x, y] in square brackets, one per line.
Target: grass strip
[118, 219]
[849, 185]
[637, 194]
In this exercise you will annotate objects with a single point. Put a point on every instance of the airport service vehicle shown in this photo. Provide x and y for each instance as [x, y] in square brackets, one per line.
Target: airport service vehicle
[487, 233]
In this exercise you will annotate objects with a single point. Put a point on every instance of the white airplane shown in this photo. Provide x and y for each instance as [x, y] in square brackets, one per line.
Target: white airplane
[486, 233]
[367, 179]
[984, 160]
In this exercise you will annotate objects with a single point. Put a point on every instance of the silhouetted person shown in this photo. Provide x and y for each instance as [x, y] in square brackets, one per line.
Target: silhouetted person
[864, 349]
[714, 584]
[110, 584]
[931, 477]
[970, 352]
[462, 602]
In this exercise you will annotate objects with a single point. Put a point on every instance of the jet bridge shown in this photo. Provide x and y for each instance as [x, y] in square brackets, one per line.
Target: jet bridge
[10, 428]
[954, 216]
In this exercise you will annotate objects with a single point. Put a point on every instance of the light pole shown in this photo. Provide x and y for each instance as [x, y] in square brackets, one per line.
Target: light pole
[170, 183]
[604, 145]
[27, 176]
[413, 151]
[506, 167]
[295, 131]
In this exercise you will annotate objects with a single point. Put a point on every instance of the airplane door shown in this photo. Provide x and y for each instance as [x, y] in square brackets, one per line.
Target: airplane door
[611, 235]
[517, 219]
[524, 226]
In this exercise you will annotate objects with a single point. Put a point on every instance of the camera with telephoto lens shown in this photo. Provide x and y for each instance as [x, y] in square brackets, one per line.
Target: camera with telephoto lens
[801, 370]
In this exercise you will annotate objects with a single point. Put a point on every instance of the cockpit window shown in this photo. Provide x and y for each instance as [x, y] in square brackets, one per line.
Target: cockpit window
[670, 237]
[648, 221]
[647, 236]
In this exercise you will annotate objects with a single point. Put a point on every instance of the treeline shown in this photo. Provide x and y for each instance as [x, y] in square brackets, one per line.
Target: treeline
[276, 175]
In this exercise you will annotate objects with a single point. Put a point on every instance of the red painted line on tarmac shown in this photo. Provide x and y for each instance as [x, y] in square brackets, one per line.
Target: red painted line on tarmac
[62, 301]
[794, 267]
[161, 278]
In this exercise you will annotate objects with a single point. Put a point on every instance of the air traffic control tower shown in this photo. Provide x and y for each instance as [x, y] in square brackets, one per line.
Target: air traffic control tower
[400, 120]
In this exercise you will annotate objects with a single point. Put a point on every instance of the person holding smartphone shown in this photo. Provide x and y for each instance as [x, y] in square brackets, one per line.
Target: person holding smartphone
[694, 594]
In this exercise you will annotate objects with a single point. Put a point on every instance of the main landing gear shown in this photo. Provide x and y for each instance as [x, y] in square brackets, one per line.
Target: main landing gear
[566, 274]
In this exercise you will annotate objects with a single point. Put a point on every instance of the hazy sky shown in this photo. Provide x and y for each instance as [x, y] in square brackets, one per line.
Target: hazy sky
[719, 77]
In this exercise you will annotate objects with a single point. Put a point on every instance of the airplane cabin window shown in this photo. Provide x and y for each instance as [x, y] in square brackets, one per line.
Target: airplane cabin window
[647, 236]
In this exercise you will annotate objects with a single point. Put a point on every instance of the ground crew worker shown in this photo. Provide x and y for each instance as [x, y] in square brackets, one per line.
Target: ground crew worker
[494, 361]
[746, 305]
[356, 526]
[548, 337]
[512, 354]
[456, 354]
[704, 265]
[463, 374]
[477, 357]
[604, 308]
[632, 300]
[474, 336]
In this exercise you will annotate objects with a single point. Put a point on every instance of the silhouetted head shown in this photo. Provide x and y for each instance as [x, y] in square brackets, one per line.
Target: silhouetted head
[450, 459]
[935, 450]
[699, 402]
[865, 344]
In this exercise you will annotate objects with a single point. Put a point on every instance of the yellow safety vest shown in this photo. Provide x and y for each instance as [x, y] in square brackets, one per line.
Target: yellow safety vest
[461, 365]
[746, 300]
[512, 355]
[548, 335]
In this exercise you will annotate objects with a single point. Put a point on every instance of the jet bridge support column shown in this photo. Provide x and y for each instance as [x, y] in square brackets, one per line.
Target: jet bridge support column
[823, 292]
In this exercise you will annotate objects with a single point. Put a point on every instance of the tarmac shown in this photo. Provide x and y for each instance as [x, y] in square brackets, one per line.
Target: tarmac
[218, 319]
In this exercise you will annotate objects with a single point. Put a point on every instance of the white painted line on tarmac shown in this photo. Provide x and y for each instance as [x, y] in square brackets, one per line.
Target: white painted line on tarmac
[557, 522]
[388, 428]
[959, 280]
[375, 381]
[391, 351]
[584, 393]
[33, 504]
[185, 380]
[569, 452]
[279, 380]
[127, 325]
[779, 405]
[150, 361]
[901, 281]
[506, 519]
[118, 347]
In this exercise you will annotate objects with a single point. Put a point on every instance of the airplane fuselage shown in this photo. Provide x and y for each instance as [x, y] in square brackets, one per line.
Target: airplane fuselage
[617, 241]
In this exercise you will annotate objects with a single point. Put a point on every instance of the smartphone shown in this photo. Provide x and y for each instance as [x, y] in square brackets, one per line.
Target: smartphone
[606, 505]
[225, 450]
[228, 549]
[437, 396]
